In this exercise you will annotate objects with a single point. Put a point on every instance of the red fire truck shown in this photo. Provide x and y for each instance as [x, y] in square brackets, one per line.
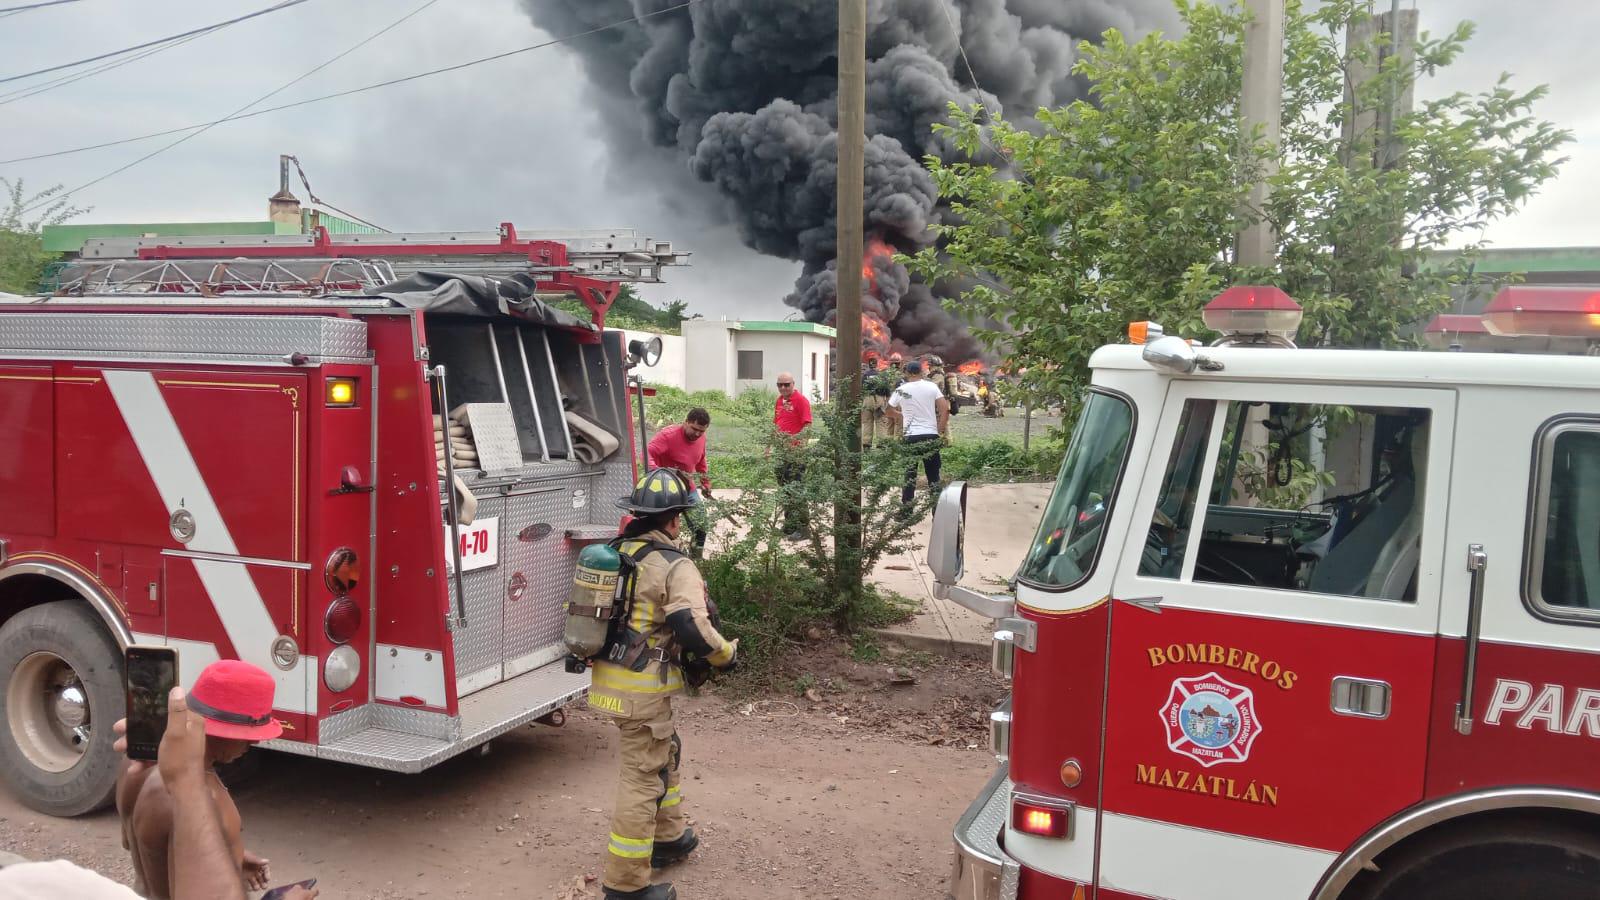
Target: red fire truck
[1306, 623]
[245, 447]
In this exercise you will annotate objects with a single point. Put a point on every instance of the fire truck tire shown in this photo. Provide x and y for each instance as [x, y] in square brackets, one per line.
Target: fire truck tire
[1508, 857]
[60, 691]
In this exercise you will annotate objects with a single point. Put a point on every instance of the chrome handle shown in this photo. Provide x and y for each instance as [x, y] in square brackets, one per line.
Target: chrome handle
[1363, 698]
[1477, 564]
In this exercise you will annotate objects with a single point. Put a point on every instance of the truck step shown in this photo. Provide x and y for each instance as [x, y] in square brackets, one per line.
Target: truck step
[485, 715]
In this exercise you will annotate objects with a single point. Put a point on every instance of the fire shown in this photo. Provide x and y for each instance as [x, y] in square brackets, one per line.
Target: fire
[873, 329]
[874, 249]
[970, 368]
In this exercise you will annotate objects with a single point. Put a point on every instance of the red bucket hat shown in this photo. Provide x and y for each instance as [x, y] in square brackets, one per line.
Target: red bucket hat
[235, 699]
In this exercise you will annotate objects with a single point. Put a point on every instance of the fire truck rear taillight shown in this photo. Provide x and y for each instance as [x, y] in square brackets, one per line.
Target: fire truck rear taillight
[342, 571]
[341, 392]
[342, 620]
[1042, 816]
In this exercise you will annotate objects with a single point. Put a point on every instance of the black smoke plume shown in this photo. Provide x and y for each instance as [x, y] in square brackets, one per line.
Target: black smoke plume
[744, 93]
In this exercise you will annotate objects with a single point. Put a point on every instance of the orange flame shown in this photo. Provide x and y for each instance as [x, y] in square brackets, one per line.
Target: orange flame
[970, 368]
[875, 249]
[873, 329]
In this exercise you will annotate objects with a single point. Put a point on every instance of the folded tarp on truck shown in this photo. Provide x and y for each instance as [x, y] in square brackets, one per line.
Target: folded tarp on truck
[479, 295]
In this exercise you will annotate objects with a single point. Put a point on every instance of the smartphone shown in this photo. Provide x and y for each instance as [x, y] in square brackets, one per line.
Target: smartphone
[278, 893]
[151, 673]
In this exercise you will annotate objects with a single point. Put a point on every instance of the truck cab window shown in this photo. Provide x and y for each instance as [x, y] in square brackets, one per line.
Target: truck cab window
[1073, 527]
[1565, 566]
[1304, 497]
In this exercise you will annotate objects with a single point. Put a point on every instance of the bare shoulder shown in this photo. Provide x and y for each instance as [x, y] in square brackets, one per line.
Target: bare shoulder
[152, 806]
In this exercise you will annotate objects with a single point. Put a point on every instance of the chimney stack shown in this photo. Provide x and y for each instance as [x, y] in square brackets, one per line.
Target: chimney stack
[283, 208]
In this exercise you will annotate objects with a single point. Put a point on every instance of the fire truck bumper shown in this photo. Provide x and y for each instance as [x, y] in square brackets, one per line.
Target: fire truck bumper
[400, 739]
[983, 871]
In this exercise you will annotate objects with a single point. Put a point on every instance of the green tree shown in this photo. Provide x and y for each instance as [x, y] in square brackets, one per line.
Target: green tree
[22, 254]
[1126, 206]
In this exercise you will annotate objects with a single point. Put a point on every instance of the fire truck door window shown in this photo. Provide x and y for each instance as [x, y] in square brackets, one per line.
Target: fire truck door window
[1565, 568]
[1304, 497]
[1165, 544]
[1073, 527]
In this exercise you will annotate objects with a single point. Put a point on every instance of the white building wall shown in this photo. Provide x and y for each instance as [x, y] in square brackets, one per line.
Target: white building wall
[673, 369]
[781, 351]
[816, 381]
[710, 358]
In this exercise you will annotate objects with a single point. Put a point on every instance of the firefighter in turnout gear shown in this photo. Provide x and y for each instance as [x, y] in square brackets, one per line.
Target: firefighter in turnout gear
[664, 617]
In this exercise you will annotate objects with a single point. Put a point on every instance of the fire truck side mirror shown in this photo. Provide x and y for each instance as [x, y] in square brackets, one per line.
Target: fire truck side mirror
[945, 541]
[1170, 354]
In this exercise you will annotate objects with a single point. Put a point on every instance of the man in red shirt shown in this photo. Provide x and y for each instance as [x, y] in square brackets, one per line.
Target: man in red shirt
[683, 447]
[792, 415]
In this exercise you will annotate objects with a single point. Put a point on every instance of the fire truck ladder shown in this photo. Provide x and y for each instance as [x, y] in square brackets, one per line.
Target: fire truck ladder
[591, 264]
[208, 278]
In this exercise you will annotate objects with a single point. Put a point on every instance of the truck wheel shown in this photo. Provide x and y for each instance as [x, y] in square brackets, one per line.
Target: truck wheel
[60, 691]
[1508, 860]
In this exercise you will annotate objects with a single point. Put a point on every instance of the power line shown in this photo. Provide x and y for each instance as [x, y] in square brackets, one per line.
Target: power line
[236, 113]
[13, 10]
[371, 87]
[23, 93]
[209, 28]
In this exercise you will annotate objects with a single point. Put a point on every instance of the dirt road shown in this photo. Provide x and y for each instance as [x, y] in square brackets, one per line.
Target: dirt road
[835, 796]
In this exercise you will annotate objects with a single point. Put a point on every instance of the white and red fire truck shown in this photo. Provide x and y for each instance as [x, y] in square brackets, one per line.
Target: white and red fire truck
[1306, 623]
[235, 446]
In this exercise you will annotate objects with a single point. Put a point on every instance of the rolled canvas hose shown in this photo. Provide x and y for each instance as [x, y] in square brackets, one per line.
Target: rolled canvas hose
[590, 442]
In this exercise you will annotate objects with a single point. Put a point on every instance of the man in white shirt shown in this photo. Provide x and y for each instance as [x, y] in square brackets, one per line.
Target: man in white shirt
[923, 414]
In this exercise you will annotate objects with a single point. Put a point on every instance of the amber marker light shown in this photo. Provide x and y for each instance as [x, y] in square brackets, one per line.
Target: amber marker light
[341, 392]
[1071, 773]
[1138, 332]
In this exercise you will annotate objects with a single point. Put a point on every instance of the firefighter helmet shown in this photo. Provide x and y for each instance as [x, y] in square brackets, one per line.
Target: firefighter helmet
[896, 357]
[660, 491]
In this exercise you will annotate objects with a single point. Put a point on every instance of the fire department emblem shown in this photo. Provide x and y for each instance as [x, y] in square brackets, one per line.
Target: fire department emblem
[1210, 719]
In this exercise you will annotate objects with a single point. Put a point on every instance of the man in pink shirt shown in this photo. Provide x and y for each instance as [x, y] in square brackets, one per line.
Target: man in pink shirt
[683, 447]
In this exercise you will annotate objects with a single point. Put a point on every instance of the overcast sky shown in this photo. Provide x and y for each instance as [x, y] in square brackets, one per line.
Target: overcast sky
[515, 140]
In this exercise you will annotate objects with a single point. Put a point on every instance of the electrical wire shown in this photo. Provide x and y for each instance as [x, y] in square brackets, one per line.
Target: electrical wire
[13, 10]
[236, 113]
[206, 30]
[371, 87]
[23, 93]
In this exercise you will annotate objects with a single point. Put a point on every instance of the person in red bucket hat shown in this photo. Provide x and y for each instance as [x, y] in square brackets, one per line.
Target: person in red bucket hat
[235, 700]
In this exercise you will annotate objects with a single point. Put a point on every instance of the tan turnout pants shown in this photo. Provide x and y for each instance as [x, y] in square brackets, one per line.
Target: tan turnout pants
[649, 804]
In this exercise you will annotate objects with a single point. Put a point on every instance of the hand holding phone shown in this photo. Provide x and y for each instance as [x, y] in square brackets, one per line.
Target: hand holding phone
[150, 674]
[300, 890]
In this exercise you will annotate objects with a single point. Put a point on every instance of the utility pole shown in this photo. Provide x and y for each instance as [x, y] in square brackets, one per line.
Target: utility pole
[848, 214]
[1261, 104]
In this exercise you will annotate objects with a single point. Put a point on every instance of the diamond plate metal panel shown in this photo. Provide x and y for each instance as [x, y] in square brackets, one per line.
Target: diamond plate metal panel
[544, 559]
[477, 645]
[265, 339]
[484, 716]
[494, 435]
[415, 721]
[341, 725]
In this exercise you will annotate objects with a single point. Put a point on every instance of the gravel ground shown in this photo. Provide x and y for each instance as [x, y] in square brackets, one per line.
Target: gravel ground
[847, 791]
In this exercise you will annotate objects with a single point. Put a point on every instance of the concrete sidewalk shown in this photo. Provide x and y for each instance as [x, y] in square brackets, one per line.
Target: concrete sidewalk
[1001, 519]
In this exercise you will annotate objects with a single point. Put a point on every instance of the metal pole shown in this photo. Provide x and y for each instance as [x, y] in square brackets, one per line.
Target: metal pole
[849, 239]
[1027, 424]
[450, 496]
[1261, 105]
[561, 410]
[533, 398]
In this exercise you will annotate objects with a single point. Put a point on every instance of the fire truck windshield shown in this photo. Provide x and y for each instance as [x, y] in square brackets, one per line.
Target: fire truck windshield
[1072, 530]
